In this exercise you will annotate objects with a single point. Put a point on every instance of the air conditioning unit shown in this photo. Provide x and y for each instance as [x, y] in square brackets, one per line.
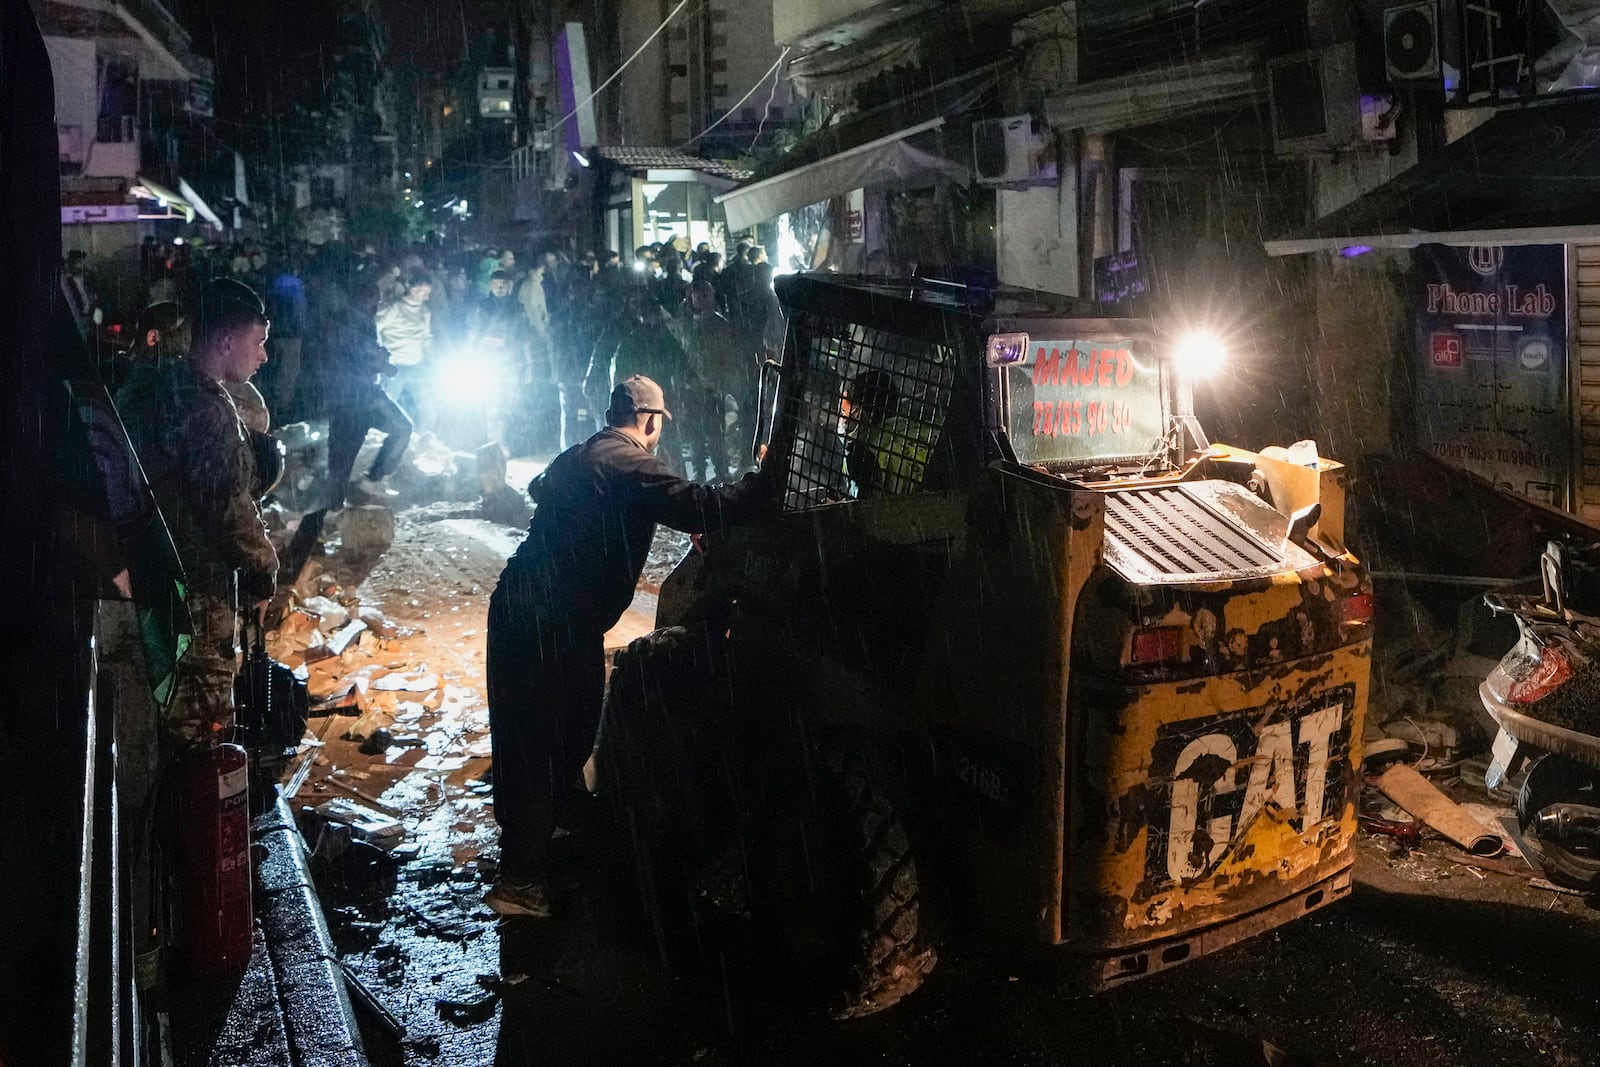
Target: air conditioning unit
[1424, 43]
[1012, 151]
[1411, 42]
[1315, 101]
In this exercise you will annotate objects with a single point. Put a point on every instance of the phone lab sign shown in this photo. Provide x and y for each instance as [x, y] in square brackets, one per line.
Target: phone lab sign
[1491, 370]
[1079, 401]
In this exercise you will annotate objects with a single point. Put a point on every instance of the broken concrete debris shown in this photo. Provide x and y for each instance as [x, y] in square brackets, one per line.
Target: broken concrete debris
[330, 614]
[365, 824]
[365, 531]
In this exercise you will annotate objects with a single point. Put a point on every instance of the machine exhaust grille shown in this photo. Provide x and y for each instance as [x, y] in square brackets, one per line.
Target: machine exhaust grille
[1166, 534]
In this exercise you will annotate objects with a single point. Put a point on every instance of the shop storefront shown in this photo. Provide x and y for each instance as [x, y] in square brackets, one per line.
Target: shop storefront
[655, 194]
[1502, 233]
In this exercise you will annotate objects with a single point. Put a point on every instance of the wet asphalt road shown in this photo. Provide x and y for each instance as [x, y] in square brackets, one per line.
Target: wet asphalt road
[1426, 963]
[1397, 974]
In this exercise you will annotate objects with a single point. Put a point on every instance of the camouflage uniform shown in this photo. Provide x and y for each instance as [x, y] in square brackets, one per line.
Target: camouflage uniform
[199, 464]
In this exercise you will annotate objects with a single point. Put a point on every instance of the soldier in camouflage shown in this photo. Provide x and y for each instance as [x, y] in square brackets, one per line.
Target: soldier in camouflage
[198, 460]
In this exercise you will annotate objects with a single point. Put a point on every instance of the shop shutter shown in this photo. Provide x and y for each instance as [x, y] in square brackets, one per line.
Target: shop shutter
[1587, 298]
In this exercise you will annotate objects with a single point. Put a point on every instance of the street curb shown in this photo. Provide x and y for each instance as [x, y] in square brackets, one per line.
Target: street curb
[317, 1015]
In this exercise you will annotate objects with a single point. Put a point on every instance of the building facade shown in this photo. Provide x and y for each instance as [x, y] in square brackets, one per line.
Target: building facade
[137, 150]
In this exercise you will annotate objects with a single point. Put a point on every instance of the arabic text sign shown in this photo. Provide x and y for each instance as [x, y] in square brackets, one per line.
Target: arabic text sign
[1079, 401]
[72, 214]
[1491, 363]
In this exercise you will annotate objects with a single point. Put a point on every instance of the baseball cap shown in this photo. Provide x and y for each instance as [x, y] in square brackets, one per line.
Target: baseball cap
[638, 396]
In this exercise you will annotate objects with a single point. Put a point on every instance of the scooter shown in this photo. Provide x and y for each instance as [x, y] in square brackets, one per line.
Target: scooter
[1545, 697]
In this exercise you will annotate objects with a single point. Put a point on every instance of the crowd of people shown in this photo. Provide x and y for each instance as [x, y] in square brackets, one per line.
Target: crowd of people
[635, 380]
[474, 346]
[558, 356]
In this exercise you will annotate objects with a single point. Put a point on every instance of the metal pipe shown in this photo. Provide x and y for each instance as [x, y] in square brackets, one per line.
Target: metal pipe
[1569, 825]
[369, 1003]
[1448, 579]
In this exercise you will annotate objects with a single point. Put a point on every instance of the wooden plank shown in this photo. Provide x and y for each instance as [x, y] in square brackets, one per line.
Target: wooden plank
[1587, 253]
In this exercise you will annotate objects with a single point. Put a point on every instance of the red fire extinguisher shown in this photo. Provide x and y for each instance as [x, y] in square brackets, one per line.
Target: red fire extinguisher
[218, 924]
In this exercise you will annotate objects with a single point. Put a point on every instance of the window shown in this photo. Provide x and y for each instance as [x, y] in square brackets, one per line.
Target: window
[119, 99]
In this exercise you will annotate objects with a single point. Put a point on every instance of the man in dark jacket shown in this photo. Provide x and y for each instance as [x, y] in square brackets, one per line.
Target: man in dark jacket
[568, 583]
[357, 402]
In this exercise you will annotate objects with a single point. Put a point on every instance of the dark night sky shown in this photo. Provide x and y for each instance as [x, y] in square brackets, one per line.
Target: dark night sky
[433, 34]
[270, 53]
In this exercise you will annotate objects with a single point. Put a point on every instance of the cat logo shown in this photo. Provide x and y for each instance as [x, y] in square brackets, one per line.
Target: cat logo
[1224, 770]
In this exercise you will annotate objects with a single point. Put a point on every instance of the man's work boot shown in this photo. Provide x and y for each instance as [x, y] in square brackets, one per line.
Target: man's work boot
[527, 900]
[375, 489]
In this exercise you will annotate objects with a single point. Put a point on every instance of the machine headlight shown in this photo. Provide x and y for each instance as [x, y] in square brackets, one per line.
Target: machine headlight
[1004, 349]
[1199, 354]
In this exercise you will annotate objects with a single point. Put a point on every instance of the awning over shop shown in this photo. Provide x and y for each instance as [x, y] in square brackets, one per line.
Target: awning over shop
[199, 204]
[889, 160]
[672, 165]
[870, 150]
[145, 189]
[1158, 95]
[1527, 176]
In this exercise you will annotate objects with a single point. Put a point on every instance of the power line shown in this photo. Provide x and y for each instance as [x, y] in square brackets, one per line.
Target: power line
[752, 91]
[616, 73]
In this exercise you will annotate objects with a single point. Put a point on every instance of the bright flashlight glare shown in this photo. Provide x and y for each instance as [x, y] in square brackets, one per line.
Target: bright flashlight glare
[1200, 353]
[638, 264]
[466, 383]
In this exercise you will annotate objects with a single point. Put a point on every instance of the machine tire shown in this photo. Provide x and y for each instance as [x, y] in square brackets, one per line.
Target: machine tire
[1555, 780]
[839, 888]
[893, 951]
[646, 781]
